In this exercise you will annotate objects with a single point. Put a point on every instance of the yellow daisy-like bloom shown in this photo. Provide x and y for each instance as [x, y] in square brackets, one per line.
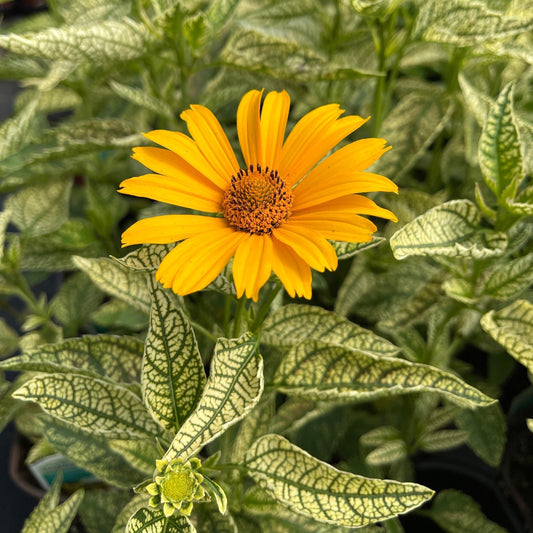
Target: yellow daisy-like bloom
[276, 214]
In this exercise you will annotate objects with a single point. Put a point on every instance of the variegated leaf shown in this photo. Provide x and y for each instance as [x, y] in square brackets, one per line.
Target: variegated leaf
[48, 502]
[141, 98]
[214, 522]
[173, 375]
[234, 386]
[98, 510]
[293, 323]
[39, 210]
[443, 439]
[456, 512]
[319, 491]
[141, 454]
[387, 453]
[116, 280]
[56, 520]
[345, 250]
[5, 218]
[499, 154]
[113, 40]
[137, 502]
[148, 520]
[9, 340]
[530, 424]
[90, 404]
[486, 432]
[510, 279]
[17, 131]
[466, 22]
[319, 371]
[512, 327]
[477, 102]
[109, 356]
[449, 230]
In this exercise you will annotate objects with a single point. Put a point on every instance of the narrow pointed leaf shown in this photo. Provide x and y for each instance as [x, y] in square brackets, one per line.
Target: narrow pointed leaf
[319, 491]
[293, 323]
[89, 403]
[147, 520]
[137, 502]
[448, 230]
[456, 512]
[319, 371]
[109, 356]
[48, 502]
[512, 327]
[116, 280]
[112, 40]
[499, 155]
[233, 388]
[173, 375]
[58, 520]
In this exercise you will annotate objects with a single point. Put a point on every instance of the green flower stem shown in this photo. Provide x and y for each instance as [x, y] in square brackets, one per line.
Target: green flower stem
[240, 311]
[265, 308]
[227, 314]
[204, 331]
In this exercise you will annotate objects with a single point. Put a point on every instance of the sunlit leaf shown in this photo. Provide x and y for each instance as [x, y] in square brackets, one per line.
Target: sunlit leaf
[173, 375]
[319, 491]
[385, 454]
[499, 153]
[512, 327]
[293, 323]
[89, 404]
[17, 131]
[137, 502]
[449, 230]
[147, 520]
[510, 279]
[316, 370]
[233, 388]
[141, 98]
[344, 250]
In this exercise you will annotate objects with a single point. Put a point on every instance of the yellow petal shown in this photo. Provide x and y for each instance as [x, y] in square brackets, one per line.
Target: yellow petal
[339, 230]
[293, 271]
[196, 262]
[211, 140]
[187, 149]
[170, 228]
[340, 185]
[252, 265]
[248, 127]
[310, 245]
[273, 123]
[306, 130]
[353, 203]
[185, 191]
[325, 218]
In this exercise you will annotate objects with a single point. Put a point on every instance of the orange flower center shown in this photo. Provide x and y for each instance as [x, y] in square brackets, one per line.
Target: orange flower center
[257, 200]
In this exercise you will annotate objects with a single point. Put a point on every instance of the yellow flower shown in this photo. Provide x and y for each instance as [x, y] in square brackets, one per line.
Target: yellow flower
[276, 214]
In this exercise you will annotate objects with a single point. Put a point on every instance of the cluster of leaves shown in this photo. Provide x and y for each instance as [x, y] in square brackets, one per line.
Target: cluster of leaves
[113, 367]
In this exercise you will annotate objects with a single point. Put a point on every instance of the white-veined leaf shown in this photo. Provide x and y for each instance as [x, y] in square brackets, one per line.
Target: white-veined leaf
[112, 40]
[116, 280]
[141, 454]
[98, 510]
[319, 371]
[499, 152]
[293, 323]
[115, 358]
[140, 98]
[214, 522]
[53, 520]
[477, 102]
[5, 218]
[9, 339]
[512, 327]
[18, 130]
[387, 453]
[319, 491]
[233, 388]
[456, 512]
[91, 11]
[510, 279]
[466, 22]
[344, 250]
[173, 375]
[147, 520]
[486, 432]
[449, 230]
[90, 404]
[137, 502]
[38, 210]
[443, 439]
[379, 436]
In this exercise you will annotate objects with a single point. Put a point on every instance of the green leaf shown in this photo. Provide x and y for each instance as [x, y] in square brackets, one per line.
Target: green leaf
[119, 315]
[512, 327]
[499, 154]
[319, 491]
[477, 102]
[112, 40]
[486, 432]
[9, 339]
[448, 230]
[154, 521]
[98, 510]
[141, 454]
[90, 11]
[233, 388]
[509, 280]
[90, 404]
[316, 370]
[137, 502]
[456, 512]
[410, 128]
[55, 520]
[466, 22]
[387, 453]
[116, 280]
[39, 210]
[115, 358]
[293, 323]
[214, 522]
[443, 439]
[344, 250]
[141, 98]
[17, 131]
[173, 375]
